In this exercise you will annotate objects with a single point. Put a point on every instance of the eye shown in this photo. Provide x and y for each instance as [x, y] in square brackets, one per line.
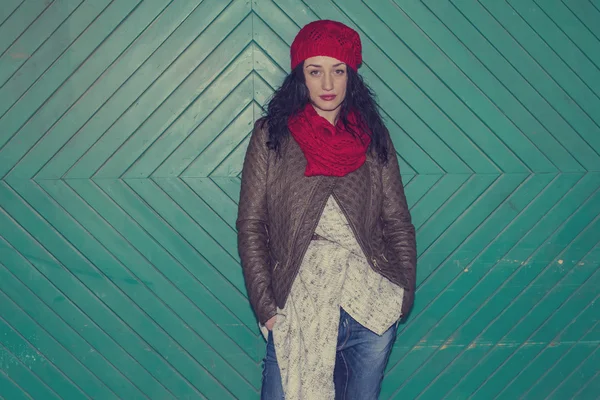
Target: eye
[314, 72]
[340, 71]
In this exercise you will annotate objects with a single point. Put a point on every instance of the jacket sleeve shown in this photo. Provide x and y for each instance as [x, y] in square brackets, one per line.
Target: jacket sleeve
[398, 229]
[252, 226]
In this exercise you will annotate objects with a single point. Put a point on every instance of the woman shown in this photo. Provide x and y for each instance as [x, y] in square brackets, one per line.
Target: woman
[324, 231]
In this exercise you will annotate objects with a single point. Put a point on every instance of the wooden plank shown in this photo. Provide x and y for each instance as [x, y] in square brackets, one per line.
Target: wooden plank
[569, 66]
[465, 293]
[434, 231]
[166, 98]
[70, 313]
[573, 28]
[509, 90]
[558, 372]
[17, 379]
[49, 52]
[53, 94]
[202, 122]
[47, 269]
[196, 236]
[480, 119]
[35, 35]
[55, 328]
[107, 278]
[158, 297]
[586, 13]
[554, 293]
[435, 198]
[235, 132]
[177, 275]
[63, 133]
[590, 389]
[215, 198]
[10, 390]
[12, 28]
[500, 36]
[179, 248]
[570, 312]
[63, 372]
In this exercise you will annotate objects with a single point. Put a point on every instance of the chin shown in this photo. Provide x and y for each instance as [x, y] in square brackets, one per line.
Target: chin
[326, 105]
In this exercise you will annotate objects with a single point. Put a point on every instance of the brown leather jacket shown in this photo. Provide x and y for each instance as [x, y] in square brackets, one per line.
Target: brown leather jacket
[279, 210]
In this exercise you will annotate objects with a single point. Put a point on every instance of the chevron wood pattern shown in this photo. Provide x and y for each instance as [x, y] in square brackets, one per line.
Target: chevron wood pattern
[123, 127]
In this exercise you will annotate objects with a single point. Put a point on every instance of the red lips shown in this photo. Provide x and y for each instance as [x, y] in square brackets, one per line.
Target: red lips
[328, 97]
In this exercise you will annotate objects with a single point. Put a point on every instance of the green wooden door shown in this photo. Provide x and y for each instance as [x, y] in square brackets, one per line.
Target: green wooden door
[123, 125]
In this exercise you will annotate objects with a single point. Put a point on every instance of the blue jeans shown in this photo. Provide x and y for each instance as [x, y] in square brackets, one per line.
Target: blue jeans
[360, 361]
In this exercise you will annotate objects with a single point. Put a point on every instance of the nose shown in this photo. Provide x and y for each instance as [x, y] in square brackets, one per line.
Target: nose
[327, 83]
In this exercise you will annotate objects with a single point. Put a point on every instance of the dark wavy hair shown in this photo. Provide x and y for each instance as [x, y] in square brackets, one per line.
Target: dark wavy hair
[291, 97]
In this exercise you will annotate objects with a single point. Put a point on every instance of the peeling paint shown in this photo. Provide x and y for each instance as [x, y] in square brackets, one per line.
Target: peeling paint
[513, 261]
[26, 356]
[487, 344]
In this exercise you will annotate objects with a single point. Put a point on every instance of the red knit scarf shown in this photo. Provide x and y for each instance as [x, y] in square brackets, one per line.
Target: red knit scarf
[329, 150]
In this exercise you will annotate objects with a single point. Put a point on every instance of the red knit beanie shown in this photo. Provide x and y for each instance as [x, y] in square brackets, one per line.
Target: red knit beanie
[327, 38]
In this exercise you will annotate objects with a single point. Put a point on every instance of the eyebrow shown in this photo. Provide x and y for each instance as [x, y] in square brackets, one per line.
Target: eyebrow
[320, 66]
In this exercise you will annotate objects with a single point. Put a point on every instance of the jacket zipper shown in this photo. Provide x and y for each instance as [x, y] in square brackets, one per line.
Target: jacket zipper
[372, 260]
[312, 229]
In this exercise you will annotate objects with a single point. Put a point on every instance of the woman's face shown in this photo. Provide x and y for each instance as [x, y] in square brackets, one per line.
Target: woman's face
[326, 80]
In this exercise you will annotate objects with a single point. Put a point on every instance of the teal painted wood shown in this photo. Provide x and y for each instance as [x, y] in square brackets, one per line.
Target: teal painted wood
[10, 6]
[51, 50]
[98, 340]
[48, 350]
[31, 125]
[123, 128]
[29, 381]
